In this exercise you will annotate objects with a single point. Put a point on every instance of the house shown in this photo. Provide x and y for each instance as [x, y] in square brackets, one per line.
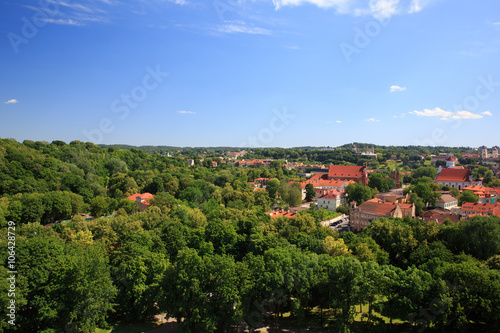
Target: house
[142, 200]
[458, 178]
[300, 208]
[447, 201]
[346, 172]
[321, 184]
[395, 195]
[475, 208]
[232, 155]
[254, 163]
[362, 215]
[262, 181]
[190, 162]
[331, 199]
[276, 213]
[439, 215]
[485, 194]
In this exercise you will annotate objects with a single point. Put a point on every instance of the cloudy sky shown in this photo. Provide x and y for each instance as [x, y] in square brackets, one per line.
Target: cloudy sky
[251, 73]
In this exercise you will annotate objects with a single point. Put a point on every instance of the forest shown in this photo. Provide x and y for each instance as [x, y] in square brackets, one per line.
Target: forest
[206, 253]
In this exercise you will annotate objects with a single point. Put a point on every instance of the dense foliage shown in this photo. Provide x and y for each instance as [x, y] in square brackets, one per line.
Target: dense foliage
[206, 254]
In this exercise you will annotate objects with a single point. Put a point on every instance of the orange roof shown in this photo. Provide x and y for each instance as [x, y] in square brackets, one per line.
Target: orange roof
[480, 207]
[331, 194]
[376, 206]
[281, 213]
[454, 175]
[341, 171]
[144, 197]
[325, 183]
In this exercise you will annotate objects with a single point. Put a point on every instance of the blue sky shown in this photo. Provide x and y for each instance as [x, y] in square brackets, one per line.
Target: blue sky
[251, 73]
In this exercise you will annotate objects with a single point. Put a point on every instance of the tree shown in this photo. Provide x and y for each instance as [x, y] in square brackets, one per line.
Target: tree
[425, 192]
[310, 192]
[342, 209]
[455, 192]
[467, 196]
[138, 273]
[376, 180]
[203, 291]
[292, 194]
[272, 187]
[346, 277]
[99, 206]
[335, 247]
[358, 193]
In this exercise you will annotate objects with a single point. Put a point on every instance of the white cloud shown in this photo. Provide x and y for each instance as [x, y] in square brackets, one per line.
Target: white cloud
[186, 112]
[320, 3]
[437, 112]
[373, 120]
[241, 27]
[178, 2]
[63, 21]
[380, 9]
[488, 113]
[401, 116]
[445, 115]
[338, 122]
[397, 88]
[383, 9]
[465, 115]
[11, 101]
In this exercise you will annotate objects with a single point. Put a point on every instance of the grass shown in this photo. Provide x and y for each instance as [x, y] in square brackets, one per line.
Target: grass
[379, 322]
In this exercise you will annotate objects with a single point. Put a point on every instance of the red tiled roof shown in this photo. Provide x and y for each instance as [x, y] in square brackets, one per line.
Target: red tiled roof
[480, 207]
[331, 194]
[144, 197]
[454, 175]
[281, 213]
[376, 206]
[341, 171]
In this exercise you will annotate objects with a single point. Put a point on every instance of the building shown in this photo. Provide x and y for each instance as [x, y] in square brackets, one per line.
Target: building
[276, 213]
[321, 184]
[494, 152]
[447, 201]
[190, 162]
[254, 163]
[485, 194]
[232, 155]
[395, 195]
[458, 178]
[475, 208]
[331, 199]
[362, 215]
[450, 162]
[142, 200]
[346, 173]
[484, 153]
[439, 215]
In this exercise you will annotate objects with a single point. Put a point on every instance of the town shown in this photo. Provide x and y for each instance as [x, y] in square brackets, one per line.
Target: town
[355, 237]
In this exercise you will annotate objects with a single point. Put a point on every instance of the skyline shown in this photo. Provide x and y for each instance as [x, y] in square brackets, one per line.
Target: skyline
[282, 73]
